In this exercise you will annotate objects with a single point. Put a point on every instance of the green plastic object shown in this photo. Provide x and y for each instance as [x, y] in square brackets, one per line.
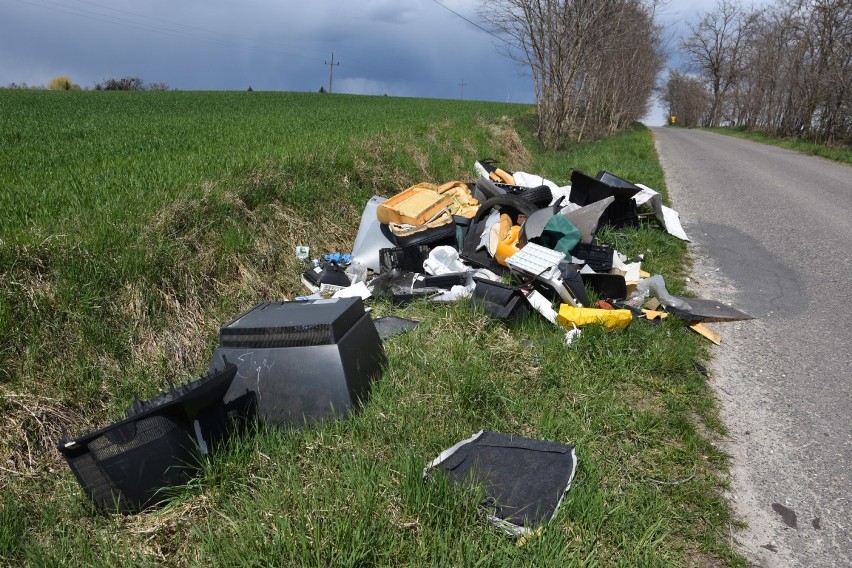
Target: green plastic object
[560, 234]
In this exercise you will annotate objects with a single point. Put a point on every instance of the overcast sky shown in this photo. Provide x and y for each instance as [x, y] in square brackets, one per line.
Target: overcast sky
[416, 48]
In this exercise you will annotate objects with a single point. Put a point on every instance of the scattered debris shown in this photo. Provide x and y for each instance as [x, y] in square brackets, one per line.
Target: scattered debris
[523, 540]
[500, 301]
[572, 334]
[510, 242]
[701, 369]
[705, 331]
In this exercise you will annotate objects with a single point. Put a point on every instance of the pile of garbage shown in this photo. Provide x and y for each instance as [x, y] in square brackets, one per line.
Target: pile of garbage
[511, 242]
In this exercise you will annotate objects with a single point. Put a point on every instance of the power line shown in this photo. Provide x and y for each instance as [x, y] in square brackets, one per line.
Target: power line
[331, 65]
[489, 32]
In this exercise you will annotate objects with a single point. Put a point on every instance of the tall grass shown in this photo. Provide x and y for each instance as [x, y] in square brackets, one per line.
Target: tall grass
[179, 210]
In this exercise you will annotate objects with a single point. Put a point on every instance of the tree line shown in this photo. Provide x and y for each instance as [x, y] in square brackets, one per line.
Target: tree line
[785, 69]
[593, 63]
[64, 83]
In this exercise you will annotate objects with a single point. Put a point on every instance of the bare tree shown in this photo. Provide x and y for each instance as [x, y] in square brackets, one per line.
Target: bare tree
[123, 84]
[831, 34]
[593, 62]
[715, 49]
[685, 97]
[795, 77]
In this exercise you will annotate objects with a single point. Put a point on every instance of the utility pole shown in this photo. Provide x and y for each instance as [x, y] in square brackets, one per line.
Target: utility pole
[462, 85]
[331, 65]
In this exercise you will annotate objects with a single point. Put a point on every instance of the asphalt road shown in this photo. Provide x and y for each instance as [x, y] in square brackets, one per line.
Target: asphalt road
[772, 235]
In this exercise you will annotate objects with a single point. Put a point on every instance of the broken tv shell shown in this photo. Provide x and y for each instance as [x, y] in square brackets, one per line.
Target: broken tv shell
[303, 361]
[126, 466]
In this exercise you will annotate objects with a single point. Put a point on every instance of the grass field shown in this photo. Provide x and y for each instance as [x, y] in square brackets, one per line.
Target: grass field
[135, 224]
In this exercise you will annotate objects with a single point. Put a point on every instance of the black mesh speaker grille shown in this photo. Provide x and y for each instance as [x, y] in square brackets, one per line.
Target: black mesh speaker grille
[292, 324]
[94, 481]
[301, 336]
[147, 431]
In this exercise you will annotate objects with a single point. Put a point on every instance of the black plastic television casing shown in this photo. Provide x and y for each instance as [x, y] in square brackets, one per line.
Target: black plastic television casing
[304, 361]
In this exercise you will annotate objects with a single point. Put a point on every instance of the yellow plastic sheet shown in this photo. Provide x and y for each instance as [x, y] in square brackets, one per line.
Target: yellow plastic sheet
[613, 319]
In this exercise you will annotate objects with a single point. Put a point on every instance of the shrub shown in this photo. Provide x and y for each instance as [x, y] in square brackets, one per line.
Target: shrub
[62, 83]
[123, 84]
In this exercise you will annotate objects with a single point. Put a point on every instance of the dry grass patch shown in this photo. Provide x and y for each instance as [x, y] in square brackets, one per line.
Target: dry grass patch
[30, 427]
[515, 154]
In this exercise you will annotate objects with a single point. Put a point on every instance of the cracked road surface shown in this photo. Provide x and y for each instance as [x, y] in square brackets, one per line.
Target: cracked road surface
[772, 235]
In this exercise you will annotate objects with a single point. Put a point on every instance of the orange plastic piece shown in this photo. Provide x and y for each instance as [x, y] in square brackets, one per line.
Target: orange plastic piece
[507, 243]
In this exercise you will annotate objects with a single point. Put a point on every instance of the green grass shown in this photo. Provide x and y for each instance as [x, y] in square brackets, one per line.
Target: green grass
[136, 223]
[74, 160]
[838, 153]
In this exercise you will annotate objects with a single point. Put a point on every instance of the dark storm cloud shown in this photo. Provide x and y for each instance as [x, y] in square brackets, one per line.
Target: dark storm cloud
[412, 47]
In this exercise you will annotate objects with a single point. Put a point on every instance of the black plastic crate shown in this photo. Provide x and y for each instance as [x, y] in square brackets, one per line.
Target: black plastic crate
[586, 189]
[621, 213]
[597, 257]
